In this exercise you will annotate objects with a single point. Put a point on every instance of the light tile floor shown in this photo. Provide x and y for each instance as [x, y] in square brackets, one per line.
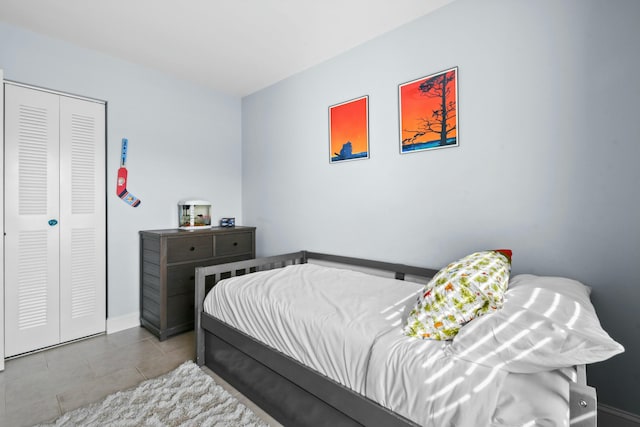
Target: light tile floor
[42, 386]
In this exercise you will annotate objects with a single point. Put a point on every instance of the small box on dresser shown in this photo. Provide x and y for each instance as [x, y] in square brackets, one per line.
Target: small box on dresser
[168, 259]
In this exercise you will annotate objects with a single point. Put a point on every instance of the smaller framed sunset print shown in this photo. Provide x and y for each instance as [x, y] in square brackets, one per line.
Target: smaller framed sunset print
[429, 112]
[349, 130]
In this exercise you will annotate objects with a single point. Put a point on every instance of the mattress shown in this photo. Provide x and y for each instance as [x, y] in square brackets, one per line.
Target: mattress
[346, 325]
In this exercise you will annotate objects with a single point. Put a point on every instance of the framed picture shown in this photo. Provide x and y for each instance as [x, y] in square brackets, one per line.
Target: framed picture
[349, 130]
[429, 112]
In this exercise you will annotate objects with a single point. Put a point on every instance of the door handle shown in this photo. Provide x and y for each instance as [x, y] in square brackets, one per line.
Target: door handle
[53, 222]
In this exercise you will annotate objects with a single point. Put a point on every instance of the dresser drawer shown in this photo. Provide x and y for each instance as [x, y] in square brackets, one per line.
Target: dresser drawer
[181, 279]
[189, 248]
[234, 244]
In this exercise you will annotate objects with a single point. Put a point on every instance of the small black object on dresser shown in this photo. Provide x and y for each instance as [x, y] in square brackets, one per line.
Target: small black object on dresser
[168, 259]
[227, 222]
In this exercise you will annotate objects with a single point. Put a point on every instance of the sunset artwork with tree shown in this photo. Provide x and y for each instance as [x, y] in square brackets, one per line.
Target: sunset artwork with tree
[429, 112]
[349, 130]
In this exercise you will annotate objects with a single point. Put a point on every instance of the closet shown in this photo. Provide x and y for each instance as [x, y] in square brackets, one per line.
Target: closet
[55, 219]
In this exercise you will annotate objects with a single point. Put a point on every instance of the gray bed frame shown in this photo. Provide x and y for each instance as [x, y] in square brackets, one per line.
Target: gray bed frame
[294, 394]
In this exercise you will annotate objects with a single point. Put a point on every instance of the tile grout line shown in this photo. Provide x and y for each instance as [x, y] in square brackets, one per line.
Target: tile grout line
[46, 361]
[155, 343]
[60, 413]
[141, 373]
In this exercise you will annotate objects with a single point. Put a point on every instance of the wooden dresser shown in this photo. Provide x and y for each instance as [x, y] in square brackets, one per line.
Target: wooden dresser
[168, 259]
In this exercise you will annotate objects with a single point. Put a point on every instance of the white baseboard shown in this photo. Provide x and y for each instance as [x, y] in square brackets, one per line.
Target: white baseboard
[614, 414]
[120, 323]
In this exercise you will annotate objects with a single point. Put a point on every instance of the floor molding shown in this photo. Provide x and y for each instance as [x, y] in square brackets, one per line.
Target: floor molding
[120, 323]
[619, 413]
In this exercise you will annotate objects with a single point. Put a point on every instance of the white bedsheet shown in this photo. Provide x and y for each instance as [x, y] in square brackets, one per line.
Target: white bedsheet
[346, 325]
[540, 399]
[417, 379]
[300, 311]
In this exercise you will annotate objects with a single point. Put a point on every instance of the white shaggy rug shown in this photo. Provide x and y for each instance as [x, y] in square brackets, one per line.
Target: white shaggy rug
[184, 397]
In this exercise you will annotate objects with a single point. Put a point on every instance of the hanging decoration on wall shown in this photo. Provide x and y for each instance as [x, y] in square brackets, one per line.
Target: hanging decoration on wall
[429, 112]
[349, 130]
[121, 188]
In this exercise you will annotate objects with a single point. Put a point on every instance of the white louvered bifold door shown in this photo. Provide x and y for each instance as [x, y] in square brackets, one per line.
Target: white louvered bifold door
[82, 219]
[55, 254]
[31, 201]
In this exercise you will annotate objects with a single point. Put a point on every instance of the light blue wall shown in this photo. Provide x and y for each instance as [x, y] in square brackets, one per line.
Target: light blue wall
[547, 163]
[184, 142]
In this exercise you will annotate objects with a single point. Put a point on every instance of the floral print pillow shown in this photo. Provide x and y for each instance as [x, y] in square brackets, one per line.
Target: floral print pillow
[463, 290]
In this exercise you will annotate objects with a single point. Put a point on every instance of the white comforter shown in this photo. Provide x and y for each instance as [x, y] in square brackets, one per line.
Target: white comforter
[346, 325]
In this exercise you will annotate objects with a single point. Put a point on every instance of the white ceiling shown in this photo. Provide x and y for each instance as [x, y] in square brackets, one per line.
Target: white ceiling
[234, 46]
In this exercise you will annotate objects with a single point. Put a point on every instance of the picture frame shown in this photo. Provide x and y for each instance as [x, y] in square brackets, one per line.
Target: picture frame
[349, 130]
[428, 110]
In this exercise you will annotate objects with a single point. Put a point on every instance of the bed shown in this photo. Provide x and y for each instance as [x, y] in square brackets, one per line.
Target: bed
[356, 367]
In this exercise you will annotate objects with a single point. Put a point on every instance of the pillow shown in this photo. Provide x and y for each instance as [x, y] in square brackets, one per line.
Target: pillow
[463, 290]
[546, 323]
[562, 285]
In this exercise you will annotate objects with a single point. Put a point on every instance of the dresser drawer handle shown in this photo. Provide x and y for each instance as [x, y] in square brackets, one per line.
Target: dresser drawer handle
[235, 243]
[192, 248]
[192, 278]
